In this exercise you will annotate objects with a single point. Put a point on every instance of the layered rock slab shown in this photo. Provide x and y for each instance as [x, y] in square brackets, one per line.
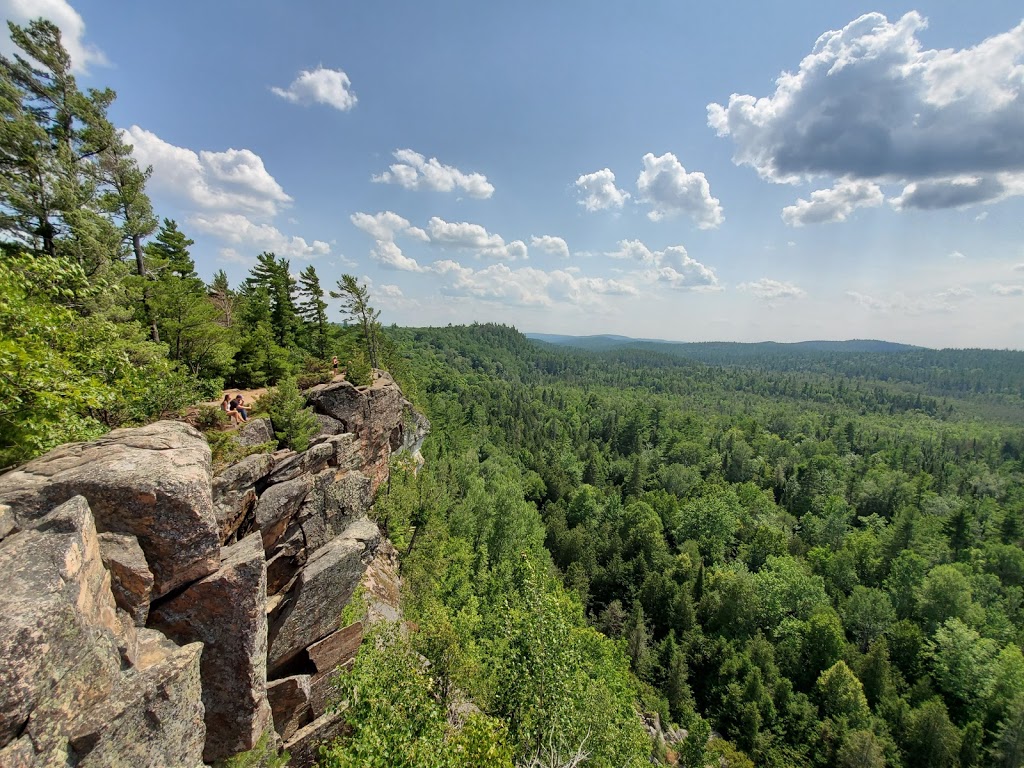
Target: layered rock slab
[227, 612]
[151, 482]
[312, 608]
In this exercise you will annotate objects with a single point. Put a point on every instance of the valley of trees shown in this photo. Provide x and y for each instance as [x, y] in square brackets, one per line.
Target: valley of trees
[824, 569]
[814, 554]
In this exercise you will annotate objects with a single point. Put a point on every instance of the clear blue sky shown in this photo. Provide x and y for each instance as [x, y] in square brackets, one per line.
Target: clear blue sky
[733, 171]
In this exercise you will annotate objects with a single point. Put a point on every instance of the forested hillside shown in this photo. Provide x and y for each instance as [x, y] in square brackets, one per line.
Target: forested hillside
[825, 571]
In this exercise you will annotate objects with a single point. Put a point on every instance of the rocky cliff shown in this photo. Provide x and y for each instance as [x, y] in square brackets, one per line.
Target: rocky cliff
[158, 615]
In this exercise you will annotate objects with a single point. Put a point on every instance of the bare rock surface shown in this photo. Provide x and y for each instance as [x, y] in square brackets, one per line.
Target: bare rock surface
[255, 431]
[289, 700]
[58, 637]
[154, 718]
[152, 482]
[376, 415]
[313, 606]
[227, 612]
[131, 579]
[304, 746]
[235, 491]
[278, 505]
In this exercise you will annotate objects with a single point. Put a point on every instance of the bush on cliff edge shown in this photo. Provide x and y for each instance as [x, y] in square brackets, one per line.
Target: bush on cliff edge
[293, 423]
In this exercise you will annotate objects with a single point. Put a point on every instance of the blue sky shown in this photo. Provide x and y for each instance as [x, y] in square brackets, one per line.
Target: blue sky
[729, 171]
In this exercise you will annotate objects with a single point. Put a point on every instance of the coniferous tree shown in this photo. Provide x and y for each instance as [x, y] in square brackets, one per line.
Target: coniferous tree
[355, 304]
[313, 310]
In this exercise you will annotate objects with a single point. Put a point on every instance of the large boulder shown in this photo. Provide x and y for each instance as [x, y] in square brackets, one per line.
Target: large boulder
[153, 720]
[255, 432]
[312, 608]
[236, 489]
[227, 612]
[58, 641]
[278, 505]
[304, 745]
[151, 482]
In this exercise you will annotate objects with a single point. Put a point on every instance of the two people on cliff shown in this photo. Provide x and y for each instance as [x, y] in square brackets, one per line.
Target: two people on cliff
[235, 408]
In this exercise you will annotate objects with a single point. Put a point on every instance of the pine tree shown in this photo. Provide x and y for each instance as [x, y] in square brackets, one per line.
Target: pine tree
[355, 304]
[313, 310]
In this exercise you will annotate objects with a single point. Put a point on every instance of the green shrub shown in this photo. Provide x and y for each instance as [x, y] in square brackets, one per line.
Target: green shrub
[314, 371]
[358, 370]
[294, 424]
[209, 417]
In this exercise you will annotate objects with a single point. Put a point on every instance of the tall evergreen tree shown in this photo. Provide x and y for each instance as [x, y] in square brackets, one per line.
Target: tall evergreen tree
[52, 138]
[273, 274]
[313, 310]
[355, 304]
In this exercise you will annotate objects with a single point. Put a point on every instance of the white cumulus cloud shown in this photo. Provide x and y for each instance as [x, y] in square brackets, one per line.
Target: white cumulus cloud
[320, 86]
[665, 185]
[772, 290]
[599, 191]
[672, 266]
[239, 230]
[527, 286]
[384, 227]
[835, 204]
[551, 244]
[415, 171]
[870, 102]
[72, 29]
[232, 180]
[463, 235]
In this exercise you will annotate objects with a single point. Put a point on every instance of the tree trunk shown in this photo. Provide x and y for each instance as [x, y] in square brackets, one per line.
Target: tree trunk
[140, 266]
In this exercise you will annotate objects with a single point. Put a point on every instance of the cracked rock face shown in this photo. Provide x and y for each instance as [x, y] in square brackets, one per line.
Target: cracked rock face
[312, 608]
[226, 611]
[150, 482]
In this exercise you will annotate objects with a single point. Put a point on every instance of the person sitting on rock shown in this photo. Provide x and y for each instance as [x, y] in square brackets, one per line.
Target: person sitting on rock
[228, 406]
[238, 404]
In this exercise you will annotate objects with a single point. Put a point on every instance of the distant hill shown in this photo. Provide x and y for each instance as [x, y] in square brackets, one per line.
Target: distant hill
[611, 341]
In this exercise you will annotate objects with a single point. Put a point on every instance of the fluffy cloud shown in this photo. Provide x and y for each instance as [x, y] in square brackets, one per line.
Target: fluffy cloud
[772, 290]
[472, 237]
[388, 291]
[599, 191]
[835, 204]
[1018, 267]
[387, 225]
[527, 286]
[665, 185]
[870, 103]
[551, 244]
[72, 29]
[672, 266]
[234, 180]
[384, 227]
[320, 86]
[1001, 289]
[414, 171]
[239, 230]
[388, 254]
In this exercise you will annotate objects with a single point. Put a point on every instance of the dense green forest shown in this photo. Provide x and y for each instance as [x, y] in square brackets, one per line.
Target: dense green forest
[824, 571]
[812, 552]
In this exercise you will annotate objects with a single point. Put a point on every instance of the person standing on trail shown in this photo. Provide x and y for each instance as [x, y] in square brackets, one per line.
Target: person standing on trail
[334, 364]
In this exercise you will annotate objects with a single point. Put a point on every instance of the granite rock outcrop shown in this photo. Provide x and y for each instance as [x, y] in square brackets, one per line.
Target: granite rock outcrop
[158, 615]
